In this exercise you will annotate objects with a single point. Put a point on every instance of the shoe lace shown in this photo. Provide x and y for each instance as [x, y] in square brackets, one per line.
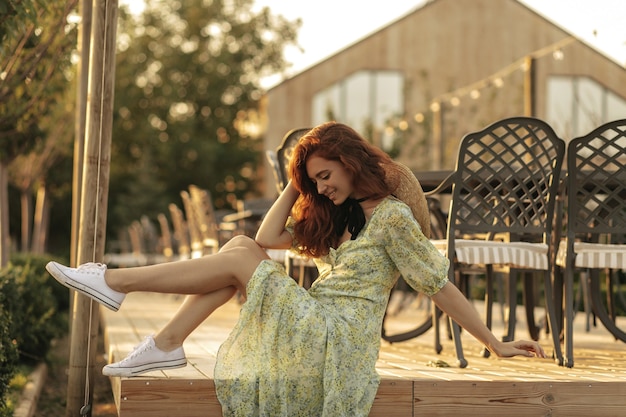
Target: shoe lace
[140, 349]
[91, 265]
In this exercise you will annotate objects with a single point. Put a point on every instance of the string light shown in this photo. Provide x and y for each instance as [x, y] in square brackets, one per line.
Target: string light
[525, 66]
[558, 54]
[473, 90]
[496, 80]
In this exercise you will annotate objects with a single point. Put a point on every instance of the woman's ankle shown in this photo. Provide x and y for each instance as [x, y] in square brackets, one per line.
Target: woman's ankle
[166, 343]
[110, 280]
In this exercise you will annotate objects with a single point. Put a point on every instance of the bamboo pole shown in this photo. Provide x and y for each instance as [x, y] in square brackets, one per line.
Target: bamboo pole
[84, 40]
[82, 75]
[93, 201]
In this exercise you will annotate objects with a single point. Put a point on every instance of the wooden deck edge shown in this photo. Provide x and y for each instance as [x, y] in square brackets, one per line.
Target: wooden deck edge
[511, 398]
[155, 397]
[394, 398]
[408, 388]
[150, 397]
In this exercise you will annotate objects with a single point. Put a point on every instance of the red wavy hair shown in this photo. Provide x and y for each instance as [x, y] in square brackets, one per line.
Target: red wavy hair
[313, 213]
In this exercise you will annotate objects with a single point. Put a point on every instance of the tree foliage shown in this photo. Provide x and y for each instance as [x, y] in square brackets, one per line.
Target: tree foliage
[36, 44]
[35, 51]
[187, 87]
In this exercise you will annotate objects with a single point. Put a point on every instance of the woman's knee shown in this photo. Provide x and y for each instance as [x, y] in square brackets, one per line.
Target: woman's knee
[244, 255]
[239, 241]
[245, 245]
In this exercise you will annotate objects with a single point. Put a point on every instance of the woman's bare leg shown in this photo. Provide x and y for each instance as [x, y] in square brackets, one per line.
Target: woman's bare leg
[231, 267]
[194, 310]
[197, 307]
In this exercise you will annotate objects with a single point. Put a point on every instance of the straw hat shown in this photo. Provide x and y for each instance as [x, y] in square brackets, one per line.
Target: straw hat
[408, 189]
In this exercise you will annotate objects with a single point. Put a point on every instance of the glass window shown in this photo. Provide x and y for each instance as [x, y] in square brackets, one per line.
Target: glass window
[326, 105]
[359, 98]
[389, 97]
[560, 96]
[588, 105]
[366, 100]
[615, 107]
[577, 105]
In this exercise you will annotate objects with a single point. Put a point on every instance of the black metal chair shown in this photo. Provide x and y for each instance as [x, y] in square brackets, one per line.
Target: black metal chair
[272, 158]
[285, 150]
[596, 224]
[501, 213]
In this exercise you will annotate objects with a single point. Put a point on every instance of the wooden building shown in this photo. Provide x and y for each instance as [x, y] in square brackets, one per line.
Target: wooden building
[449, 67]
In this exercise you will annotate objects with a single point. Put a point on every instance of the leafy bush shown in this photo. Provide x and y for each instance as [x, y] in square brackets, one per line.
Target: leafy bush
[33, 311]
[35, 306]
[8, 350]
[38, 264]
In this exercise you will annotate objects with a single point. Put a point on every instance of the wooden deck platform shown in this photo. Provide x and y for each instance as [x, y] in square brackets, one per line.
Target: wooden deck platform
[596, 386]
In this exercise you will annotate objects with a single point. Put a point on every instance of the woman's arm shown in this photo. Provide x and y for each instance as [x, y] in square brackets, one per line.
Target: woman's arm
[272, 233]
[450, 300]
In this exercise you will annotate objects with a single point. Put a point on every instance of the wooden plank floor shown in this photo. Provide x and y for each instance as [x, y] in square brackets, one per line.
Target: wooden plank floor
[410, 386]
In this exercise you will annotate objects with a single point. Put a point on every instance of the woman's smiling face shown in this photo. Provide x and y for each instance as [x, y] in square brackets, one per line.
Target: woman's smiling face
[330, 178]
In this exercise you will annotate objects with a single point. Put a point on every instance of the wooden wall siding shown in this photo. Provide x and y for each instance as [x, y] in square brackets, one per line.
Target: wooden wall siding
[441, 46]
[596, 386]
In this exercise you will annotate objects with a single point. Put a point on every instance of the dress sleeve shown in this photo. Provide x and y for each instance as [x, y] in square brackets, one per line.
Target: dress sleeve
[422, 266]
[289, 226]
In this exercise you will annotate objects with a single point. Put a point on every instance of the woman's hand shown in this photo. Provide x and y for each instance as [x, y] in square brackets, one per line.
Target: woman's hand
[518, 348]
[450, 300]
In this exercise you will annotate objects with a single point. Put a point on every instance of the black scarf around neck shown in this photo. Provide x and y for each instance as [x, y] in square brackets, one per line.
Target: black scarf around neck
[350, 214]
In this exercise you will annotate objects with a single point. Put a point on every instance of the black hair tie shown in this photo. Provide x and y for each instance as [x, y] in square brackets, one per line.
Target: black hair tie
[350, 214]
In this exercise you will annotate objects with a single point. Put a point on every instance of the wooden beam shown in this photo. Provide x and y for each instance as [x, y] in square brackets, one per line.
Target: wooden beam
[529, 86]
[520, 398]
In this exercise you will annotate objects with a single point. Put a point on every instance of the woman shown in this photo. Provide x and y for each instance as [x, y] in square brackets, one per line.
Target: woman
[296, 352]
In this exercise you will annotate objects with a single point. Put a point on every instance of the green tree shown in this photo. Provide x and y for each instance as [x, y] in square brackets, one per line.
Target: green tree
[35, 49]
[187, 83]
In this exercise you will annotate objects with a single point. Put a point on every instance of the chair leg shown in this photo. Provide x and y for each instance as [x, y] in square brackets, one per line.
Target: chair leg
[550, 309]
[512, 307]
[456, 337]
[301, 274]
[488, 304]
[557, 292]
[529, 302]
[454, 328]
[602, 310]
[586, 298]
[489, 297]
[568, 320]
[610, 295]
[437, 329]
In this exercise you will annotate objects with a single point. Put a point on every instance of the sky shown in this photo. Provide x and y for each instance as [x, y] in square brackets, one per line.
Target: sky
[329, 26]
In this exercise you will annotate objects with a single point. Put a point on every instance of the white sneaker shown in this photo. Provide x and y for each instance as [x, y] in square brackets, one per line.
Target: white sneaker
[145, 358]
[88, 279]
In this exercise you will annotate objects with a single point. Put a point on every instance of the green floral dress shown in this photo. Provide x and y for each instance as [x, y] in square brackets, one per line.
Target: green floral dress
[312, 353]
